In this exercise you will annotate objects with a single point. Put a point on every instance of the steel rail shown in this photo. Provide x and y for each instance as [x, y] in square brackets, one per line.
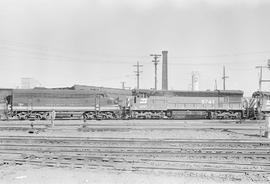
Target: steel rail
[133, 159]
[114, 139]
[229, 150]
[139, 152]
[134, 167]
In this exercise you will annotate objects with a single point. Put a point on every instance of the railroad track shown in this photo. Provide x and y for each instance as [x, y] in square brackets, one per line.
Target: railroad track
[139, 154]
[135, 125]
[81, 138]
[127, 142]
[116, 163]
[132, 126]
[236, 145]
[143, 149]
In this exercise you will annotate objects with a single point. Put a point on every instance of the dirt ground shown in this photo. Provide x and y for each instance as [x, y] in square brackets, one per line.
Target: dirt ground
[38, 175]
[210, 129]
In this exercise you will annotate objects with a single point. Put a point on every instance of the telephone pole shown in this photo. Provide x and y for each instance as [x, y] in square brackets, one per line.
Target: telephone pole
[138, 73]
[215, 87]
[155, 61]
[224, 78]
[192, 81]
[123, 85]
[261, 80]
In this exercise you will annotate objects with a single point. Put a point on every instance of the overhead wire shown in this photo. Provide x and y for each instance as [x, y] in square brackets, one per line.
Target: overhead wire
[53, 54]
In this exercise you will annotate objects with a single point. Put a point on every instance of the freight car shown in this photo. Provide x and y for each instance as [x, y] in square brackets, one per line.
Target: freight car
[186, 104]
[67, 103]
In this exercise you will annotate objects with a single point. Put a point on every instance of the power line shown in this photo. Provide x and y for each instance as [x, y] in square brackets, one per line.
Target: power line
[223, 55]
[25, 47]
[138, 73]
[155, 61]
[36, 46]
[47, 53]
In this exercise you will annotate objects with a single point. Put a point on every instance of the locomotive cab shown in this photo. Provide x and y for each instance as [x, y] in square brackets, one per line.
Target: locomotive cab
[261, 104]
[145, 105]
[3, 109]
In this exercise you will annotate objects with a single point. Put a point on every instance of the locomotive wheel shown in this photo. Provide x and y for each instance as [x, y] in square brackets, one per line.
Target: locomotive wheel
[47, 116]
[38, 117]
[22, 116]
[226, 116]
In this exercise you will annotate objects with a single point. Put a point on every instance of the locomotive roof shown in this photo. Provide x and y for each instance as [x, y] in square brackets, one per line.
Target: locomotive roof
[261, 93]
[188, 93]
[54, 91]
[103, 89]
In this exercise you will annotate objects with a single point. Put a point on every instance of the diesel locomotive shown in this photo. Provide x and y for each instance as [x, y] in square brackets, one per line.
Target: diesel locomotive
[187, 104]
[259, 105]
[74, 103]
[67, 103]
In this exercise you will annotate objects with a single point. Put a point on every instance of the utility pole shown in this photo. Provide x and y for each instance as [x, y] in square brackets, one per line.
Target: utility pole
[138, 73]
[192, 81]
[123, 85]
[260, 77]
[155, 61]
[224, 78]
[215, 84]
[261, 80]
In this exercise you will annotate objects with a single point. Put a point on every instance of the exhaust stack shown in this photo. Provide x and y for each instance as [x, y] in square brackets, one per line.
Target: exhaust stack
[164, 70]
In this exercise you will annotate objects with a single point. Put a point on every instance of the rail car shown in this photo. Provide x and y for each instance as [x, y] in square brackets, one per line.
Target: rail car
[186, 104]
[259, 105]
[39, 103]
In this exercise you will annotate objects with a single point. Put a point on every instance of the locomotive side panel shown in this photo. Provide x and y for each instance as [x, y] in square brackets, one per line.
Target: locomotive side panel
[205, 103]
[235, 102]
[40, 100]
[39, 103]
[201, 104]
[153, 103]
[223, 105]
[194, 103]
[153, 107]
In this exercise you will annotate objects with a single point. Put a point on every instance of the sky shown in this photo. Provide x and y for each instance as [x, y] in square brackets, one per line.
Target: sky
[66, 42]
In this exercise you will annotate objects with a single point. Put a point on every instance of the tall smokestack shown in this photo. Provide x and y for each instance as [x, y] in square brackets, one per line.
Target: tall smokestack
[164, 70]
